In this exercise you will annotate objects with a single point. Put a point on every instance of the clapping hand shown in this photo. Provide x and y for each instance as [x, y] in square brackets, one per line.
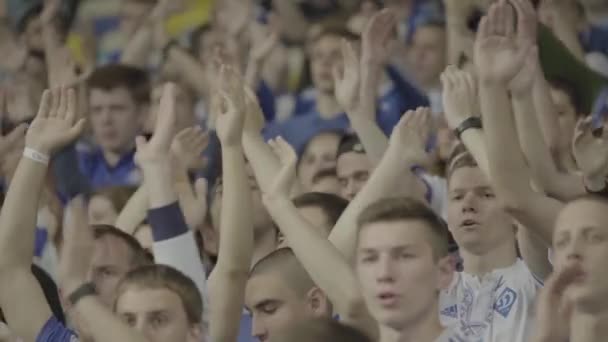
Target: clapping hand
[459, 96]
[410, 136]
[282, 185]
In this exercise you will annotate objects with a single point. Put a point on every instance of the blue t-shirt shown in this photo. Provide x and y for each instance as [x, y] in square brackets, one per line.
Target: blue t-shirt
[595, 40]
[55, 331]
[99, 174]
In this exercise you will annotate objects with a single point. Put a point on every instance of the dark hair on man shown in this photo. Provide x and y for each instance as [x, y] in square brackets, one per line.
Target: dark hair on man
[335, 31]
[571, 91]
[332, 205]
[405, 208]
[139, 255]
[284, 262]
[165, 277]
[112, 76]
[349, 143]
[459, 159]
[320, 330]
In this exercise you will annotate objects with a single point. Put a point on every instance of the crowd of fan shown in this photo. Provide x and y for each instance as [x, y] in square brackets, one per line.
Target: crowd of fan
[299, 171]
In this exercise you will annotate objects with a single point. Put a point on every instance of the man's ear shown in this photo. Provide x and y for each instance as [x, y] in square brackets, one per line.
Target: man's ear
[318, 302]
[195, 334]
[445, 270]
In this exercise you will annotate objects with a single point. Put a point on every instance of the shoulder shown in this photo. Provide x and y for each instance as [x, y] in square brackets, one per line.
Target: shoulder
[55, 331]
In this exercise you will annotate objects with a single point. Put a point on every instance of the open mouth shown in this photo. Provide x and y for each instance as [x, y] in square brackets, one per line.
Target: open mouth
[469, 223]
[388, 299]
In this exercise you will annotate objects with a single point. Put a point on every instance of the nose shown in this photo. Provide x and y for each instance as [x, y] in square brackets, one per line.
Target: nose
[258, 328]
[469, 203]
[385, 270]
[574, 251]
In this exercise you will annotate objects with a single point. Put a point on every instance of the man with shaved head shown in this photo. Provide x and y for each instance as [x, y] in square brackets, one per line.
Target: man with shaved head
[280, 292]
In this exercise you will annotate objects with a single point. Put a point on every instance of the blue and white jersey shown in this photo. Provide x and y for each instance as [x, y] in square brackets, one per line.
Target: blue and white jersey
[499, 307]
[452, 334]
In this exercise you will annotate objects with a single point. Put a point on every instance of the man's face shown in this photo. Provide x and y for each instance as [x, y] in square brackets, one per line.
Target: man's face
[581, 237]
[316, 217]
[566, 115]
[158, 314]
[320, 154]
[427, 54]
[273, 305]
[101, 210]
[184, 108]
[325, 55]
[475, 217]
[111, 261]
[115, 119]
[399, 277]
[353, 171]
[214, 44]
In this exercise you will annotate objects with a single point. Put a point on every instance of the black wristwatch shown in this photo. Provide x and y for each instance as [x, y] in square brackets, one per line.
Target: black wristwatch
[85, 290]
[471, 122]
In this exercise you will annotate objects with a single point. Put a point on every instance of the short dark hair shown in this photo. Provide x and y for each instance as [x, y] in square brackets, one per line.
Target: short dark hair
[339, 31]
[320, 330]
[139, 255]
[571, 91]
[405, 208]
[350, 143]
[166, 277]
[459, 158]
[285, 262]
[112, 76]
[332, 205]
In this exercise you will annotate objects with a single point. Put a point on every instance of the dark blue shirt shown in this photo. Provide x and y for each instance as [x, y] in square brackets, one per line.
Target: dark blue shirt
[99, 173]
[595, 40]
[54, 331]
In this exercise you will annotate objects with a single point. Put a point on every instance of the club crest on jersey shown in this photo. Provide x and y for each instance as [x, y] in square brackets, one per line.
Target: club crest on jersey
[505, 302]
[450, 311]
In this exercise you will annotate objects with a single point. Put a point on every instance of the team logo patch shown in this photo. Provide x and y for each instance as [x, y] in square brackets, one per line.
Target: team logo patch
[505, 302]
[450, 311]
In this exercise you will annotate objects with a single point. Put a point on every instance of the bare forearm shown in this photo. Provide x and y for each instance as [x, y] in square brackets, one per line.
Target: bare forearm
[18, 215]
[159, 185]
[134, 212]
[138, 47]
[227, 285]
[192, 71]
[103, 324]
[546, 113]
[474, 141]
[392, 173]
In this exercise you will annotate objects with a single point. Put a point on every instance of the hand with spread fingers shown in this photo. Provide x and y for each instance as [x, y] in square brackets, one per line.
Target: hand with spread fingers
[590, 151]
[55, 125]
[193, 202]
[377, 37]
[347, 80]
[410, 136]
[286, 177]
[499, 54]
[459, 96]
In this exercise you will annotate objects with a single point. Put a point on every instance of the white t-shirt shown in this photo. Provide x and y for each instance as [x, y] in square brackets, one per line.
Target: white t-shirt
[499, 307]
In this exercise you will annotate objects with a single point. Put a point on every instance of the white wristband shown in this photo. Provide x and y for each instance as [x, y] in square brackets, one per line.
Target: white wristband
[36, 156]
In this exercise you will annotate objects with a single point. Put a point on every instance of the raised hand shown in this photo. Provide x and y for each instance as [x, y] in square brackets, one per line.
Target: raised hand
[410, 136]
[230, 107]
[78, 246]
[254, 121]
[554, 311]
[187, 148]
[376, 38]
[347, 80]
[50, 11]
[233, 16]
[55, 124]
[459, 96]
[499, 56]
[157, 149]
[590, 151]
[281, 187]
[263, 41]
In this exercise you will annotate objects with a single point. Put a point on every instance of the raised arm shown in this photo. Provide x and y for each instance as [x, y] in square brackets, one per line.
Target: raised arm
[227, 283]
[499, 57]
[461, 105]
[21, 297]
[393, 175]
[327, 266]
[76, 256]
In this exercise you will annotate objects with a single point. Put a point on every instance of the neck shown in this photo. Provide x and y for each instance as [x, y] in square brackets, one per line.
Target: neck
[264, 244]
[480, 264]
[426, 327]
[589, 327]
[327, 105]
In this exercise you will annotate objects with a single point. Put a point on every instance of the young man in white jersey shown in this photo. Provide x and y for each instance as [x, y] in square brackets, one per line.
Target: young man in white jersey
[493, 299]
